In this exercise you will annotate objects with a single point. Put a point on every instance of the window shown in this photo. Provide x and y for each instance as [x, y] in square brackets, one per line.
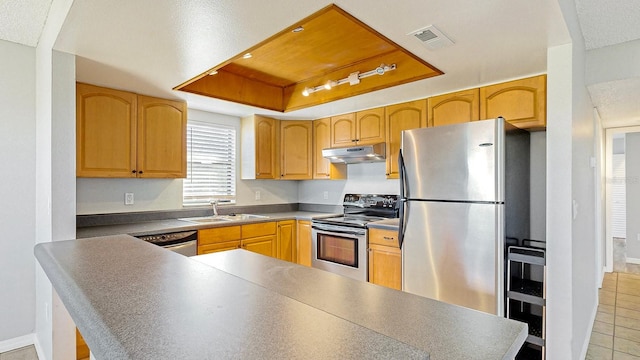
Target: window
[211, 163]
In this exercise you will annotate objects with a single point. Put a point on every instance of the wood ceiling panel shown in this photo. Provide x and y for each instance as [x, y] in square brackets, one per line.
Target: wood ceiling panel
[332, 45]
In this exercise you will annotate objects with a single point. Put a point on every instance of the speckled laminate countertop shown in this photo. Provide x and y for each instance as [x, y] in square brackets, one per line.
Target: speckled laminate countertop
[175, 225]
[388, 224]
[134, 300]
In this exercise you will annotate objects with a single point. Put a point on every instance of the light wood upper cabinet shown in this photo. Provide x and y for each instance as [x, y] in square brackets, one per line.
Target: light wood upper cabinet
[323, 168]
[521, 102]
[304, 242]
[266, 135]
[121, 134]
[296, 141]
[361, 128]
[385, 258]
[370, 125]
[260, 148]
[399, 117]
[287, 246]
[458, 107]
[105, 132]
[343, 130]
[162, 138]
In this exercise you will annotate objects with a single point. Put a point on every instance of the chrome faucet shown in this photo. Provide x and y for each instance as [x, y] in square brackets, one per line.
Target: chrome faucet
[214, 205]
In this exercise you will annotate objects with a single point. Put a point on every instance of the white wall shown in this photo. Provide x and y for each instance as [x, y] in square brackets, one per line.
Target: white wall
[100, 196]
[632, 149]
[368, 178]
[559, 219]
[571, 241]
[17, 213]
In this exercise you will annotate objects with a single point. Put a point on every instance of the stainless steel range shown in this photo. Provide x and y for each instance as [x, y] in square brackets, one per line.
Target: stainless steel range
[339, 244]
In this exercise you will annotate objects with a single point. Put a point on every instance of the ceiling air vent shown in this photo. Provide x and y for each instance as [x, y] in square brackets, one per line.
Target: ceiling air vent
[432, 38]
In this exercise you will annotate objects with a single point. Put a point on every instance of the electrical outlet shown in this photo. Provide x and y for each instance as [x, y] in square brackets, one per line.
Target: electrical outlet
[257, 195]
[325, 195]
[128, 198]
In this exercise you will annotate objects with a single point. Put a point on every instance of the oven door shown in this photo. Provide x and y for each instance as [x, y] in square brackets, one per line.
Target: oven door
[340, 249]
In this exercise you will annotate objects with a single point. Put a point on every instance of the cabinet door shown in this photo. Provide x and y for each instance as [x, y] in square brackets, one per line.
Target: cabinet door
[217, 247]
[105, 132]
[304, 243]
[162, 138]
[218, 235]
[265, 245]
[399, 117]
[266, 148]
[454, 108]
[323, 168]
[343, 130]
[296, 147]
[370, 126]
[287, 240]
[385, 266]
[522, 103]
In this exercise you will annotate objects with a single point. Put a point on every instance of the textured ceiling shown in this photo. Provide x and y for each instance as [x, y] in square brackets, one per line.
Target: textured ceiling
[149, 46]
[607, 23]
[22, 21]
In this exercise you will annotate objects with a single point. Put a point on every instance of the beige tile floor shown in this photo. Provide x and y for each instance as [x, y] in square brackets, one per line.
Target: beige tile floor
[25, 353]
[616, 330]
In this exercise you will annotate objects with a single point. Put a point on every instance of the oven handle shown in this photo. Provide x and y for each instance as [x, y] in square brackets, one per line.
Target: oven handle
[335, 230]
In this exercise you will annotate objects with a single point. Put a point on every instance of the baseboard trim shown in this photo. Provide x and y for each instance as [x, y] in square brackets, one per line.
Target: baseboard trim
[39, 350]
[585, 345]
[17, 343]
[633, 261]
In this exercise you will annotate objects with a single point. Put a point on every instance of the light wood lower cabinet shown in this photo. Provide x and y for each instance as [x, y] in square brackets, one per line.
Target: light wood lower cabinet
[82, 350]
[258, 237]
[304, 242]
[287, 246]
[385, 258]
[265, 245]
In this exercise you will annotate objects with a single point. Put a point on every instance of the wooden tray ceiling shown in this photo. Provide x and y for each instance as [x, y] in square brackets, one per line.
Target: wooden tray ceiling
[332, 45]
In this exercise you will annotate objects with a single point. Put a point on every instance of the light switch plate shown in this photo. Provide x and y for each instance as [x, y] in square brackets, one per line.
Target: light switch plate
[128, 198]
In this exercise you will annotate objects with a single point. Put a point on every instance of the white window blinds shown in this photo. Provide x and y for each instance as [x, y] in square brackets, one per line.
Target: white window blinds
[211, 163]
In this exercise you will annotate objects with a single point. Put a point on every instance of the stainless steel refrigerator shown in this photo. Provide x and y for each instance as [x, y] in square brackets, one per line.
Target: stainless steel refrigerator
[464, 188]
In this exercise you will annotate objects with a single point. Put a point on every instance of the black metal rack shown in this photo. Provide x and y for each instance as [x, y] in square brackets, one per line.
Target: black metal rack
[526, 295]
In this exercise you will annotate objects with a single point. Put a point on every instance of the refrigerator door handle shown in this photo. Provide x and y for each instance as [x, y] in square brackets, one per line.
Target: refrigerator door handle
[402, 200]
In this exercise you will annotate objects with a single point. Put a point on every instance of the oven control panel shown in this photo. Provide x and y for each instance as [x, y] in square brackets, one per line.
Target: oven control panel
[370, 200]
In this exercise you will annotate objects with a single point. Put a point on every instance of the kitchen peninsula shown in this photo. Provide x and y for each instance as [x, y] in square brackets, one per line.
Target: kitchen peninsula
[133, 300]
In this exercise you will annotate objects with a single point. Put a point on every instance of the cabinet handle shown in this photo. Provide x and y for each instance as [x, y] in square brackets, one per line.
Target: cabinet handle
[354, 140]
[388, 238]
[133, 171]
[140, 172]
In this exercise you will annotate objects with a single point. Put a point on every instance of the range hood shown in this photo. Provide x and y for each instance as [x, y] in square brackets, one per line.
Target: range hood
[355, 154]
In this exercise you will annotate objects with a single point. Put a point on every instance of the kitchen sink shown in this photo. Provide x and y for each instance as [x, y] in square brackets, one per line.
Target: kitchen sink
[206, 219]
[244, 217]
[222, 218]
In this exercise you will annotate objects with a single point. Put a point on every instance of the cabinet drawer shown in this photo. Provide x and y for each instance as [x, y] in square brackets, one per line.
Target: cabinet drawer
[383, 237]
[222, 246]
[217, 235]
[259, 229]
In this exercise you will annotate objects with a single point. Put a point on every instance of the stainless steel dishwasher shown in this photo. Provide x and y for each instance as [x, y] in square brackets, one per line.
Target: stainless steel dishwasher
[184, 242]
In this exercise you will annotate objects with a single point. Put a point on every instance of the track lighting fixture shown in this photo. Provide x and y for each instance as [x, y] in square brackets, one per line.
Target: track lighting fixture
[353, 79]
